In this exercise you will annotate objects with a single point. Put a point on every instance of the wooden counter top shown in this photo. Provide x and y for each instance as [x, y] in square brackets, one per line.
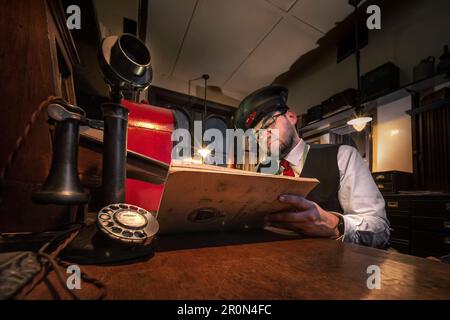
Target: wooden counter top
[289, 269]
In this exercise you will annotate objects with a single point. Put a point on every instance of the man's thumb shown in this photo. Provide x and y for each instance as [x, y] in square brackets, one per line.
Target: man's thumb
[297, 201]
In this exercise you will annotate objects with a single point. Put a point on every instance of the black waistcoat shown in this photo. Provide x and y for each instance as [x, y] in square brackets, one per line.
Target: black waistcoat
[321, 163]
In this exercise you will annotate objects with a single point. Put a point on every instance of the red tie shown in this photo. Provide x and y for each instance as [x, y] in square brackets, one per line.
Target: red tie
[288, 171]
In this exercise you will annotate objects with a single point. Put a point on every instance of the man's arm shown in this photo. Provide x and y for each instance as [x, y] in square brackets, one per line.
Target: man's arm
[364, 213]
[363, 205]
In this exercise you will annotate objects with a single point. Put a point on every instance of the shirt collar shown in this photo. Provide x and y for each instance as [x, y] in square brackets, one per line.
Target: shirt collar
[295, 157]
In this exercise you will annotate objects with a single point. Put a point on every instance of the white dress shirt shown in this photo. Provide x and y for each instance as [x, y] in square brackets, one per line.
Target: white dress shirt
[364, 207]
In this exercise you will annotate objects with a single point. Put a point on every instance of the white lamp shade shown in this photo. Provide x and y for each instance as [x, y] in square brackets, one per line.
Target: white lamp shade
[359, 123]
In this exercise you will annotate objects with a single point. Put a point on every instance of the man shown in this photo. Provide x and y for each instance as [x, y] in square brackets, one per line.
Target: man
[346, 205]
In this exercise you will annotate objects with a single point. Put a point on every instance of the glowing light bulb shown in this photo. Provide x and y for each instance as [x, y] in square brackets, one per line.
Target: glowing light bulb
[204, 152]
[359, 123]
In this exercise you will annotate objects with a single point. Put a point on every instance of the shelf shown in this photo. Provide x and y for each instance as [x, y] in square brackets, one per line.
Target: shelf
[327, 122]
[384, 99]
[429, 107]
[407, 90]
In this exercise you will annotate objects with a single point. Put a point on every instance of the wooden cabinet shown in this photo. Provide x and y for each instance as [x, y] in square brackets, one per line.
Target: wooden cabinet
[420, 224]
[431, 227]
[398, 213]
[36, 59]
[431, 139]
[393, 181]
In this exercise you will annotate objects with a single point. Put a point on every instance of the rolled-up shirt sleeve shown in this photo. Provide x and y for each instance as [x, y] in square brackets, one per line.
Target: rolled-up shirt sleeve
[364, 207]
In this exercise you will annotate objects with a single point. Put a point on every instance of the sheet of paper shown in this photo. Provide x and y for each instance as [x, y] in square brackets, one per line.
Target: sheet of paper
[202, 199]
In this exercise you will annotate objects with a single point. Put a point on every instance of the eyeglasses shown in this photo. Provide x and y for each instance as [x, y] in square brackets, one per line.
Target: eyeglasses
[268, 122]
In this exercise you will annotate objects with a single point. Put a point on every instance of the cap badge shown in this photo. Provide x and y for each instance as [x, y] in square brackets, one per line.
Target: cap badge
[250, 119]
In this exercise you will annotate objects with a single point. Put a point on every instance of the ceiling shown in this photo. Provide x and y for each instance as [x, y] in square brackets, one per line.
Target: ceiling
[242, 44]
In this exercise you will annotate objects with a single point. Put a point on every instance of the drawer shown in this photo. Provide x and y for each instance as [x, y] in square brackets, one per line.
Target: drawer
[399, 219]
[436, 208]
[395, 205]
[383, 177]
[386, 187]
[395, 180]
[430, 243]
[431, 224]
[399, 233]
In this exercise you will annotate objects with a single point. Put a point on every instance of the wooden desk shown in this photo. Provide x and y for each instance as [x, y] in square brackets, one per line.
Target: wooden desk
[290, 269]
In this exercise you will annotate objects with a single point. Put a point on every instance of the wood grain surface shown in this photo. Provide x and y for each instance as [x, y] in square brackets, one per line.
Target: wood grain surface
[274, 269]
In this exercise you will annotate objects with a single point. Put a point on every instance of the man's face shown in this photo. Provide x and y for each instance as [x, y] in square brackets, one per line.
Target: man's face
[284, 123]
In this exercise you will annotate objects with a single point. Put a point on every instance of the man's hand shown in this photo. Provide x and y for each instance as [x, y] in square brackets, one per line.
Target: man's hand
[306, 218]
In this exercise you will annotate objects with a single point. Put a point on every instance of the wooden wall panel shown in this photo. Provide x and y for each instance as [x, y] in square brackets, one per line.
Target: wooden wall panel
[29, 34]
[432, 149]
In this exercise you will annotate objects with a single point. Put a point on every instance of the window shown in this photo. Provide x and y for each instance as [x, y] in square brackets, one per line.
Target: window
[221, 125]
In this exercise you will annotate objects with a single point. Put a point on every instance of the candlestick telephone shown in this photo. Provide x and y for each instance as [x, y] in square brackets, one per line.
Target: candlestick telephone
[121, 231]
